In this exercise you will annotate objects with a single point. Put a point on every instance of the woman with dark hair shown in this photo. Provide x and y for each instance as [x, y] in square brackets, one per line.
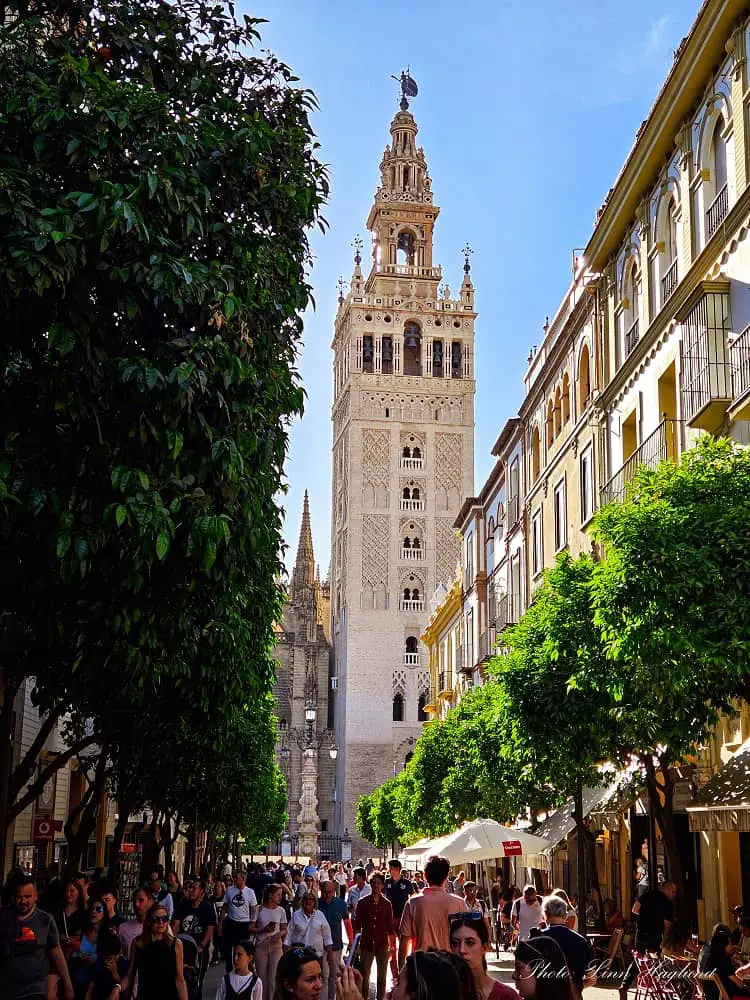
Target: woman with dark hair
[470, 940]
[82, 961]
[431, 975]
[715, 957]
[542, 972]
[156, 959]
[299, 975]
[270, 927]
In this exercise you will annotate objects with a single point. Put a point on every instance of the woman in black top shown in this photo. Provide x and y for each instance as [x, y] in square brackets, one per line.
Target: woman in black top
[715, 957]
[156, 961]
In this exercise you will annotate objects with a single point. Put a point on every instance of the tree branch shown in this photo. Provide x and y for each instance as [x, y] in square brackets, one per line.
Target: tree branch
[24, 770]
[56, 764]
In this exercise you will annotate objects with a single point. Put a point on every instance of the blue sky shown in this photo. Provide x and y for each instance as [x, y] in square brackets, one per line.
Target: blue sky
[527, 110]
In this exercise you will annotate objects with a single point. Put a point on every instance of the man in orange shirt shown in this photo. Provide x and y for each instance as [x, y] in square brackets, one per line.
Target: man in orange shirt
[424, 923]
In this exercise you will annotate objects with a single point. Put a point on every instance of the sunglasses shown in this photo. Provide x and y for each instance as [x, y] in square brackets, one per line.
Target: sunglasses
[465, 915]
[160, 918]
[309, 953]
[98, 909]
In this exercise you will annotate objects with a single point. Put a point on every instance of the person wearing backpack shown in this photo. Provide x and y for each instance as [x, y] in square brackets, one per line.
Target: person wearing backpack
[241, 981]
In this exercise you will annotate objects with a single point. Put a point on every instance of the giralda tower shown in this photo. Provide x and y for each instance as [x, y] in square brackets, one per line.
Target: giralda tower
[403, 460]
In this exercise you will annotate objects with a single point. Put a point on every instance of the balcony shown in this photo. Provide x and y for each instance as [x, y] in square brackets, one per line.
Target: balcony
[412, 555]
[412, 464]
[657, 447]
[486, 644]
[412, 504]
[508, 611]
[717, 212]
[445, 685]
[410, 271]
[462, 660]
[706, 385]
[632, 337]
[739, 353]
[669, 283]
[404, 605]
[411, 659]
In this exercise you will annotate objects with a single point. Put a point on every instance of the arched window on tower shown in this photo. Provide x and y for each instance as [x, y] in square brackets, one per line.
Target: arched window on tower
[407, 542]
[415, 493]
[398, 707]
[412, 348]
[412, 644]
[406, 493]
[405, 247]
[416, 452]
[717, 209]
[406, 453]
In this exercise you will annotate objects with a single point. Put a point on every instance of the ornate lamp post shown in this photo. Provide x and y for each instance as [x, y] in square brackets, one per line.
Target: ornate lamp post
[310, 741]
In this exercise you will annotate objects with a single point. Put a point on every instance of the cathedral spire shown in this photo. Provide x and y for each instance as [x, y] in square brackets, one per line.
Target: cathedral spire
[304, 567]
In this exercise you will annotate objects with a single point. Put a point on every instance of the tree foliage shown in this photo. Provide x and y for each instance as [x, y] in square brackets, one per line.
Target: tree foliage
[157, 179]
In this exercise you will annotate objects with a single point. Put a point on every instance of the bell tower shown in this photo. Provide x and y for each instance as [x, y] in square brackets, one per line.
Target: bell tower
[403, 460]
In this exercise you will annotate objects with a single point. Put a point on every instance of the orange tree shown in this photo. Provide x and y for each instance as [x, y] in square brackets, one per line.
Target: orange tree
[157, 178]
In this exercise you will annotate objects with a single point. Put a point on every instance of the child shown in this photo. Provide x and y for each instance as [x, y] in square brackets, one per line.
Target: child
[242, 981]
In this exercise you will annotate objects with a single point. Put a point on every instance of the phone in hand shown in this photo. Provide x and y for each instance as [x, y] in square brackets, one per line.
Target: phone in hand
[271, 926]
[352, 951]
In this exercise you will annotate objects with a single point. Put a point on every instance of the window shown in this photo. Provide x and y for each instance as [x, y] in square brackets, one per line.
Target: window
[720, 157]
[470, 638]
[470, 559]
[412, 348]
[537, 550]
[550, 423]
[587, 484]
[535, 456]
[558, 412]
[514, 505]
[456, 359]
[560, 516]
[368, 355]
[387, 356]
[490, 546]
[565, 398]
[437, 358]
[584, 379]
[398, 708]
[422, 716]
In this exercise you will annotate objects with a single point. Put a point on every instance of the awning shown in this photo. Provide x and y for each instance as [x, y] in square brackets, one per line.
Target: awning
[559, 824]
[724, 803]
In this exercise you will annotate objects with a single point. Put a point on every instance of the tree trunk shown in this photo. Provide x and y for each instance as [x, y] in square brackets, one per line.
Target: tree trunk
[82, 821]
[593, 880]
[117, 838]
[166, 840]
[581, 836]
[661, 796]
[6, 763]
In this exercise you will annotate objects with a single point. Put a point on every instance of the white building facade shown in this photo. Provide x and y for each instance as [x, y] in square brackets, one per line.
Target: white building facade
[403, 459]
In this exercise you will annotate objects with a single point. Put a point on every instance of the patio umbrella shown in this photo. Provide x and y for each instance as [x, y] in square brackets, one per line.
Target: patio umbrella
[482, 839]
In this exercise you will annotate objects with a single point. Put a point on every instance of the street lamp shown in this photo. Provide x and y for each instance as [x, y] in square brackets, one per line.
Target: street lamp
[310, 713]
[309, 739]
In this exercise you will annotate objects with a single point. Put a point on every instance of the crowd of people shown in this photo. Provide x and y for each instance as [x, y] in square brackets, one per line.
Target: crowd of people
[281, 932]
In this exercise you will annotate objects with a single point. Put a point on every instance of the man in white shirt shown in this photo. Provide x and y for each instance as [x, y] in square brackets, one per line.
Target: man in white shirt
[526, 913]
[358, 891]
[308, 928]
[240, 906]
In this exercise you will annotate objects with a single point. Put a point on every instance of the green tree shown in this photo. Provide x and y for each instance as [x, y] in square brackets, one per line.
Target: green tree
[563, 721]
[156, 185]
[363, 820]
[672, 598]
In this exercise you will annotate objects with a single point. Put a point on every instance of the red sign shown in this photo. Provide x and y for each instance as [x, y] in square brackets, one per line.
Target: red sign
[43, 829]
[512, 848]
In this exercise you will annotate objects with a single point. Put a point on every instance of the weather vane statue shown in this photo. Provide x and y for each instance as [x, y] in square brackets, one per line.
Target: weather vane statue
[409, 88]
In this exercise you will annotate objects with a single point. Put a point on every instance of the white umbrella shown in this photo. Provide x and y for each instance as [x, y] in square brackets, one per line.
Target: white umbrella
[482, 839]
[415, 851]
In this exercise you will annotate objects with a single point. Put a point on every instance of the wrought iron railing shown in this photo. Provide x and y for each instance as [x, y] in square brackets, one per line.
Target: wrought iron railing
[657, 447]
[739, 352]
[717, 212]
[705, 376]
[632, 337]
[508, 611]
[669, 282]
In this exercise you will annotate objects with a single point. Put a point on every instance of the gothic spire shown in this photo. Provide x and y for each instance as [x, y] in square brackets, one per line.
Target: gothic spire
[304, 567]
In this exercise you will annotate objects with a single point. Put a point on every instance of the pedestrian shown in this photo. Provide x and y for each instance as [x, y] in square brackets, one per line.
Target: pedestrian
[82, 961]
[430, 974]
[373, 919]
[198, 920]
[240, 905]
[424, 923]
[106, 982]
[269, 927]
[541, 972]
[572, 919]
[341, 880]
[358, 891]
[311, 868]
[29, 946]
[574, 946]
[70, 916]
[716, 957]
[129, 930]
[335, 910]
[242, 980]
[526, 913]
[299, 975]
[456, 885]
[159, 892]
[308, 928]
[156, 964]
[654, 913]
[470, 939]
[474, 903]
[107, 892]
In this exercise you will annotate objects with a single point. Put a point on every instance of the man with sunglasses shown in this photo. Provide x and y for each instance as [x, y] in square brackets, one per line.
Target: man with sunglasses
[159, 892]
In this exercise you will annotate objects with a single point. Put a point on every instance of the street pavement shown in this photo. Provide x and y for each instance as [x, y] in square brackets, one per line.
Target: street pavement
[499, 968]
